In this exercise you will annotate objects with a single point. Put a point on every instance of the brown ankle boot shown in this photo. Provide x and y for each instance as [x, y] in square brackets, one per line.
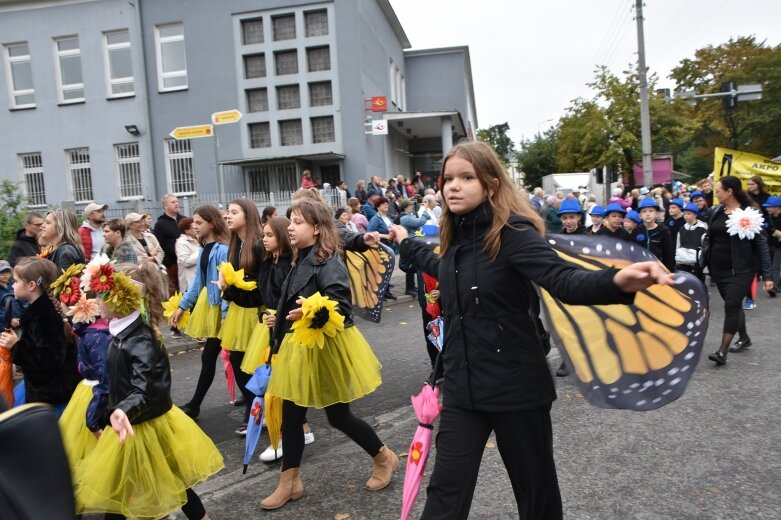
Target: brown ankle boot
[290, 488]
[385, 463]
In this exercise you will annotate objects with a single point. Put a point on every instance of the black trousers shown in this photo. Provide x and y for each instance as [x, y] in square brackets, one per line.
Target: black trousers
[525, 443]
[209, 356]
[339, 416]
[242, 378]
[733, 288]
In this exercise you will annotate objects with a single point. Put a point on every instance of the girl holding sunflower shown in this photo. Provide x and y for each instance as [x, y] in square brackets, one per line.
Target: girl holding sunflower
[146, 463]
[205, 300]
[238, 286]
[323, 360]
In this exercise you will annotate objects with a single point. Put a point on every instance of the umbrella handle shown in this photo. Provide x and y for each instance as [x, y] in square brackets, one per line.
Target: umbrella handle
[436, 374]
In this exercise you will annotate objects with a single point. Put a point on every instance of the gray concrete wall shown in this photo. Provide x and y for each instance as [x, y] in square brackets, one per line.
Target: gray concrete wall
[437, 81]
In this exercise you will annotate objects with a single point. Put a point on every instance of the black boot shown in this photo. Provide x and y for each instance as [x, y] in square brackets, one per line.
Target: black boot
[562, 371]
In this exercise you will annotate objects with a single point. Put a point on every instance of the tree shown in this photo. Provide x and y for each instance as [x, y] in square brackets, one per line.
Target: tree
[497, 137]
[537, 157]
[12, 215]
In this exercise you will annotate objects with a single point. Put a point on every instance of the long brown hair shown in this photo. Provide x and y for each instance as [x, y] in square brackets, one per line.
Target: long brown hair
[214, 217]
[43, 272]
[148, 274]
[279, 227]
[316, 213]
[253, 231]
[67, 227]
[505, 200]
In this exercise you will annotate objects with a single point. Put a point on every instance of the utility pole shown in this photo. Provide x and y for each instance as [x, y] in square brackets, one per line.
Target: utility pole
[645, 117]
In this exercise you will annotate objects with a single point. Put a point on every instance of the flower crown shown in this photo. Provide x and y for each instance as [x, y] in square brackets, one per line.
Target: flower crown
[119, 292]
[66, 287]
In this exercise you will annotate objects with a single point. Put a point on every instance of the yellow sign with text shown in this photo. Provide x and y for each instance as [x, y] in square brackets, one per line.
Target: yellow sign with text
[744, 165]
[191, 132]
[225, 117]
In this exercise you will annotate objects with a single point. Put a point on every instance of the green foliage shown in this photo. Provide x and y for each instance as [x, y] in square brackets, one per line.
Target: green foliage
[12, 215]
[497, 137]
[537, 157]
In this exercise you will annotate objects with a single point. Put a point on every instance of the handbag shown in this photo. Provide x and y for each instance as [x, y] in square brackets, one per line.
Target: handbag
[35, 481]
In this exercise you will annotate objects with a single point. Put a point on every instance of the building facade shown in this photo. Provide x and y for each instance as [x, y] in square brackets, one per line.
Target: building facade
[94, 88]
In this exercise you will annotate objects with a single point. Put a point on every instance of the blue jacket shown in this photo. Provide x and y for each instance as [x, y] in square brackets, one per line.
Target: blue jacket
[377, 224]
[413, 223]
[8, 292]
[368, 211]
[219, 254]
[93, 341]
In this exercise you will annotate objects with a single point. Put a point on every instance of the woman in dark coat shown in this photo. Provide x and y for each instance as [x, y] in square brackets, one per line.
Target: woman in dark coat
[496, 376]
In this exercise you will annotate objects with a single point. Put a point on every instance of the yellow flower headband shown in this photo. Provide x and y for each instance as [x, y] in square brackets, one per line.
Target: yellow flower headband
[119, 292]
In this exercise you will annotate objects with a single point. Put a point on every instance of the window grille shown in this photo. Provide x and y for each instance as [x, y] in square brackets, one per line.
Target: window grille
[31, 165]
[128, 166]
[316, 23]
[291, 132]
[320, 94]
[288, 96]
[179, 162]
[318, 58]
[80, 174]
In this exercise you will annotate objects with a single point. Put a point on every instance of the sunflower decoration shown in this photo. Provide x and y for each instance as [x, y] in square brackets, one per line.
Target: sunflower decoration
[236, 278]
[124, 295]
[171, 306]
[66, 287]
[320, 319]
[84, 310]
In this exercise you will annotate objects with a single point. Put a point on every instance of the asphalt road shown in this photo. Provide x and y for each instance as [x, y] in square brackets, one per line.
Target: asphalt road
[713, 454]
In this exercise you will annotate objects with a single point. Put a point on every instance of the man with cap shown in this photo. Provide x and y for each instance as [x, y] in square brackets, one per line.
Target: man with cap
[688, 242]
[571, 217]
[676, 220]
[91, 230]
[26, 243]
[773, 207]
[166, 232]
[654, 236]
[597, 214]
[703, 213]
[612, 224]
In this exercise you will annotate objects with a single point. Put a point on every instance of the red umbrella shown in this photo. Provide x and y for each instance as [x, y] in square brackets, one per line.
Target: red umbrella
[229, 377]
[427, 408]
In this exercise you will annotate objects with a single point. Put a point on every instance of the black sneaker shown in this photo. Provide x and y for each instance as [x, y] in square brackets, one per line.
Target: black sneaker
[190, 410]
[718, 358]
[740, 345]
[562, 371]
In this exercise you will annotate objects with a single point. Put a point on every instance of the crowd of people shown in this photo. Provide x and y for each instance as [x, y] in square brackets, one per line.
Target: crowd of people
[269, 288]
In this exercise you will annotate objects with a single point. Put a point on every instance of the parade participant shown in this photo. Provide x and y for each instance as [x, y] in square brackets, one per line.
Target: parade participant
[732, 261]
[612, 223]
[61, 235]
[571, 216]
[269, 212]
[632, 221]
[44, 351]
[698, 198]
[654, 236]
[689, 243]
[492, 251]
[204, 299]
[244, 252]
[117, 245]
[773, 208]
[330, 376]
[153, 474]
[597, 214]
[706, 188]
[675, 220]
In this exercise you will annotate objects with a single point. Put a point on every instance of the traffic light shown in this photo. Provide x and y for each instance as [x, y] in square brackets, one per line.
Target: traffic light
[729, 102]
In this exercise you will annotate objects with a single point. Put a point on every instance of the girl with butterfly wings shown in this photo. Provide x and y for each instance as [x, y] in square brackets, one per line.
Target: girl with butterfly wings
[497, 379]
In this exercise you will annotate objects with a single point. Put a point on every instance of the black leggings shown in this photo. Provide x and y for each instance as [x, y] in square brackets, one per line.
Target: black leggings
[339, 416]
[242, 378]
[209, 356]
[732, 289]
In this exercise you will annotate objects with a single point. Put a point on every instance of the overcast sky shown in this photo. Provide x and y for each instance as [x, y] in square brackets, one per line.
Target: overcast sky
[530, 58]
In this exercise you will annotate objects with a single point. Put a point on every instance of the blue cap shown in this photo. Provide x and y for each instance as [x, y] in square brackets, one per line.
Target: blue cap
[614, 207]
[648, 202]
[697, 195]
[597, 211]
[691, 207]
[569, 206]
[632, 214]
[677, 202]
[773, 202]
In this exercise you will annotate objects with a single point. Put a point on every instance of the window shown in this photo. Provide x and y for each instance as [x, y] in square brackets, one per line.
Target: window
[288, 96]
[80, 174]
[252, 31]
[316, 23]
[20, 76]
[318, 58]
[179, 165]
[255, 66]
[290, 132]
[128, 167]
[273, 177]
[284, 27]
[31, 166]
[259, 135]
[320, 94]
[323, 130]
[71, 82]
[257, 100]
[286, 62]
[171, 59]
[119, 64]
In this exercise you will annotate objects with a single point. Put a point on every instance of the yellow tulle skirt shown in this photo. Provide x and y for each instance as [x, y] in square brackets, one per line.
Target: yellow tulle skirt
[257, 351]
[238, 326]
[76, 437]
[147, 476]
[344, 370]
[205, 319]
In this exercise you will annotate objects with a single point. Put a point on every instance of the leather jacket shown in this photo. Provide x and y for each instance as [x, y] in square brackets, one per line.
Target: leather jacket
[139, 374]
[748, 256]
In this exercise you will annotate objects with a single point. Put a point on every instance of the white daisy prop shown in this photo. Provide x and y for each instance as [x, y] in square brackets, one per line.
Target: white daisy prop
[745, 223]
[93, 268]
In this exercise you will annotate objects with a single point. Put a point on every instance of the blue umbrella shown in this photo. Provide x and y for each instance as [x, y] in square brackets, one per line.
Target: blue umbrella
[257, 385]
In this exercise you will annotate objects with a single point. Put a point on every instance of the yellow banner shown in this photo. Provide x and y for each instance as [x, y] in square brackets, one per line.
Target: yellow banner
[744, 165]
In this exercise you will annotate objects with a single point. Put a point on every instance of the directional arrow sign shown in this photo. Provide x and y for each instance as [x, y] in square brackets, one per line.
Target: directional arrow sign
[227, 116]
[191, 132]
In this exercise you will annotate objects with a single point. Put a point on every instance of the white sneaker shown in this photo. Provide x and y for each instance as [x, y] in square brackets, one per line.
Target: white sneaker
[309, 437]
[270, 455]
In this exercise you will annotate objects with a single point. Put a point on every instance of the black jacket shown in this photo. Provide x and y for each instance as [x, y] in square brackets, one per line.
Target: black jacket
[307, 277]
[24, 246]
[166, 232]
[44, 355]
[240, 297]
[493, 357]
[351, 241]
[139, 375]
[66, 255]
[748, 256]
[620, 233]
[272, 276]
[659, 241]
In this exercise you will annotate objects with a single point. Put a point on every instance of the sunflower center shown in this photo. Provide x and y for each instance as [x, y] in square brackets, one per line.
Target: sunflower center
[320, 318]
